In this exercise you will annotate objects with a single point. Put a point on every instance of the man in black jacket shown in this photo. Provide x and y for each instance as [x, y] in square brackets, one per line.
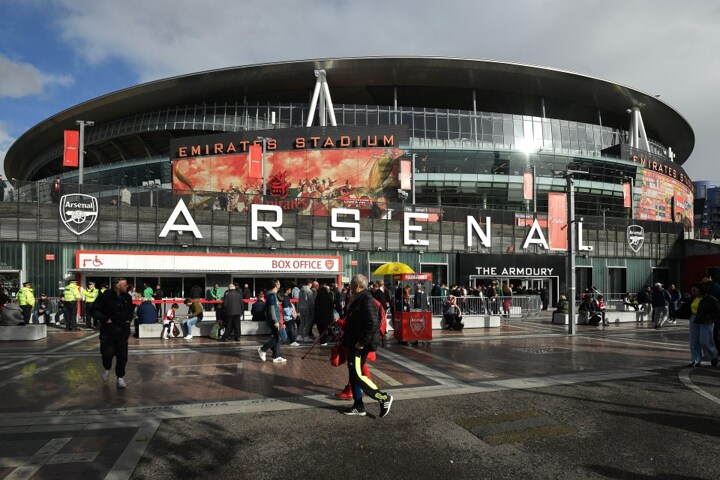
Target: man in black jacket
[114, 310]
[233, 307]
[362, 330]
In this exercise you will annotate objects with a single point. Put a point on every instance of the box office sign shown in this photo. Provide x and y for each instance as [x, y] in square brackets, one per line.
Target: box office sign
[157, 261]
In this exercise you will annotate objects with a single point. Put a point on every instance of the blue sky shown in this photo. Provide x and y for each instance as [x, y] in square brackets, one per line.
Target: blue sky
[57, 53]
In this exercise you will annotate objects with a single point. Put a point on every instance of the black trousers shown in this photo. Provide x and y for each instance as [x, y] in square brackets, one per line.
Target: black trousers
[26, 312]
[71, 315]
[355, 361]
[114, 347]
[232, 326]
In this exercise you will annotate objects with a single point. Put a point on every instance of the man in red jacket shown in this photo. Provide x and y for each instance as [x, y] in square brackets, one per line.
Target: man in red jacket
[362, 331]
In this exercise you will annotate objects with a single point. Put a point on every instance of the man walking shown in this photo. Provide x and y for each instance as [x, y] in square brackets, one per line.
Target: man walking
[660, 300]
[114, 310]
[233, 306]
[362, 331]
[306, 309]
[272, 317]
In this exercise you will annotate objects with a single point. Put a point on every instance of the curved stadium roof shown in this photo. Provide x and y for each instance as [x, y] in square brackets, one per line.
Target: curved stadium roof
[430, 82]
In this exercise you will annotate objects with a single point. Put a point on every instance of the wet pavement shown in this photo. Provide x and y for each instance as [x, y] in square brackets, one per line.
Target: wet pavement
[201, 407]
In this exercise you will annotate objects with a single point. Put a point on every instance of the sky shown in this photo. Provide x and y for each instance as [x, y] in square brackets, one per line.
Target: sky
[55, 54]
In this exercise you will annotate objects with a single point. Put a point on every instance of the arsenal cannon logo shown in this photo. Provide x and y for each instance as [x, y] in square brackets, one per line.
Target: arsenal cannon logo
[635, 237]
[78, 212]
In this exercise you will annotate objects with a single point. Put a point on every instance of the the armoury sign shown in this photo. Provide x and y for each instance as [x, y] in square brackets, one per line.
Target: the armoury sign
[78, 212]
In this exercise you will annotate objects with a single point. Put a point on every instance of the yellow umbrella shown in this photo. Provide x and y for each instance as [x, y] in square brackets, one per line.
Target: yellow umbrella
[393, 268]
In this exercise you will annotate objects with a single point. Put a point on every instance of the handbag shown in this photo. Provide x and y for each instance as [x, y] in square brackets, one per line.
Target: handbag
[175, 330]
[215, 332]
[338, 355]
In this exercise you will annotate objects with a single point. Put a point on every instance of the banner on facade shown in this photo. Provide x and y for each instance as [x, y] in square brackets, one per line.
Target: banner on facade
[528, 186]
[70, 152]
[627, 196]
[255, 169]
[557, 221]
[405, 167]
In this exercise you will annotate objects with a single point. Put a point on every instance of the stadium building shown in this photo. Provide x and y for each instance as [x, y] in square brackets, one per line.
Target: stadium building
[327, 168]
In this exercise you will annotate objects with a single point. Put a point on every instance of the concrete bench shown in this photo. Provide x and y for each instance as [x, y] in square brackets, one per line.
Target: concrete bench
[624, 317]
[470, 321]
[24, 332]
[612, 317]
[203, 328]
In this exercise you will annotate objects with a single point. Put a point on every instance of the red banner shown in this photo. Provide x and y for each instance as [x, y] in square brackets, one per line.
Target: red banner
[255, 167]
[627, 195]
[557, 221]
[528, 186]
[405, 167]
[70, 154]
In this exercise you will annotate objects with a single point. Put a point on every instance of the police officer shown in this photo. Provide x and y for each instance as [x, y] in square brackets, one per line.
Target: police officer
[89, 296]
[26, 300]
[71, 296]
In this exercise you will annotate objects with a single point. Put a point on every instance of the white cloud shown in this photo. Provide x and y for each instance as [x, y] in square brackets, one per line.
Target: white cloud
[657, 46]
[5, 141]
[21, 79]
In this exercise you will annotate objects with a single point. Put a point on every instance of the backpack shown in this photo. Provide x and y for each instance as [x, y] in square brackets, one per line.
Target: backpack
[382, 315]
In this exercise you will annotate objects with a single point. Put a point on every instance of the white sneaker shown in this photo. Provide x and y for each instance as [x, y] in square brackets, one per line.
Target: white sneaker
[166, 337]
[294, 344]
[188, 337]
[323, 344]
[121, 383]
[263, 355]
[279, 360]
[105, 375]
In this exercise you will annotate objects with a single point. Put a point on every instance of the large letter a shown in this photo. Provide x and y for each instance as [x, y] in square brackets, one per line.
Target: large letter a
[170, 225]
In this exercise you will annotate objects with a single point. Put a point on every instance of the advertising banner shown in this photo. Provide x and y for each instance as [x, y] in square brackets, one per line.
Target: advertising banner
[255, 167]
[557, 221]
[70, 152]
[310, 181]
[528, 186]
[405, 167]
[664, 199]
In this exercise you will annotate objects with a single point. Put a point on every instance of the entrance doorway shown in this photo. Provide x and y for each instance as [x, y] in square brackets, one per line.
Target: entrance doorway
[10, 281]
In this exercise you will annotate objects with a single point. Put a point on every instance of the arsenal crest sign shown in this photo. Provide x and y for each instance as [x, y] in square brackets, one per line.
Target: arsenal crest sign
[635, 237]
[417, 325]
[78, 212]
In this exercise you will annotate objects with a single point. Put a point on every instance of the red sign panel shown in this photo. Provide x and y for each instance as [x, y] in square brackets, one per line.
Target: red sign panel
[557, 221]
[353, 263]
[50, 257]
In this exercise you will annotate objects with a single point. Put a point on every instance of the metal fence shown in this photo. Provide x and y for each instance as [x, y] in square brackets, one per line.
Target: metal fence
[517, 306]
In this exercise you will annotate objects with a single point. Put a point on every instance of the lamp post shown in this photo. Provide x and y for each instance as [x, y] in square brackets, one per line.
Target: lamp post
[81, 147]
[412, 178]
[572, 240]
[264, 177]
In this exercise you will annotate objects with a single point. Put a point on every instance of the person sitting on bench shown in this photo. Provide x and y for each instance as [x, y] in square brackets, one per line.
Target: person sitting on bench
[452, 314]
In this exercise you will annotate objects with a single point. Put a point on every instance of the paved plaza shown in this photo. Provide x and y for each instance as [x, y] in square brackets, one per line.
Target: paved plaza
[525, 400]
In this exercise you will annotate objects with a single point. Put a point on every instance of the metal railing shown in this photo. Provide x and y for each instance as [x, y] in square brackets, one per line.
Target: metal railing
[517, 306]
